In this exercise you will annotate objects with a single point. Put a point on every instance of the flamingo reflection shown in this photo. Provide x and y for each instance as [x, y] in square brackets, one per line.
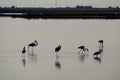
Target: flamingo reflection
[57, 62]
[23, 61]
[98, 59]
[83, 57]
[33, 58]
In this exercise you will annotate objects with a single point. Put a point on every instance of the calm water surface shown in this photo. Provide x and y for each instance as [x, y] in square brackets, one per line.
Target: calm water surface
[69, 65]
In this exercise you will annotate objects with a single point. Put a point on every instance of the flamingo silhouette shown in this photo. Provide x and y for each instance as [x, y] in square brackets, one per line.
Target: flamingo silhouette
[24, 51]
[32, 45]
[58, 48]
[100, 49]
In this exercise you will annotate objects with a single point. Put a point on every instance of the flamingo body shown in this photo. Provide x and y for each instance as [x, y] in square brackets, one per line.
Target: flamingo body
[57, 49]
[97, 53]
[81, 47]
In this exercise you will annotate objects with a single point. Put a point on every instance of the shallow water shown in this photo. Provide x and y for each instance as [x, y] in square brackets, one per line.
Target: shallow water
[69, 64]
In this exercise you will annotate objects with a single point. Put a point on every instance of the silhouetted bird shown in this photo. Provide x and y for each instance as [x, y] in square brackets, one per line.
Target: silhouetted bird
[24, 51]
[97, 53]
[57, 49]
[32, 45]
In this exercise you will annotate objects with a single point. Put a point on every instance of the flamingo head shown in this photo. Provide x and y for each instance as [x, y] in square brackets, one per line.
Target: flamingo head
[36, 42]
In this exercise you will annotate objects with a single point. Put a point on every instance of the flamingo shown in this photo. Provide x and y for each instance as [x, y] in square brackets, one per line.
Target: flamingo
[100, 48]
[32, 45]
[57, 49]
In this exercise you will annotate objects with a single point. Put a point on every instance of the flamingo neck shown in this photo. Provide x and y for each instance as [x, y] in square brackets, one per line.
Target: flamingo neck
[36, 43]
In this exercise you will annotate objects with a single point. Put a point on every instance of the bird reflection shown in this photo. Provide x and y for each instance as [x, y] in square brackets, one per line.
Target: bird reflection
[33, 58]
[83, 57]
[23, 61]
[57, 63]
[98, 59]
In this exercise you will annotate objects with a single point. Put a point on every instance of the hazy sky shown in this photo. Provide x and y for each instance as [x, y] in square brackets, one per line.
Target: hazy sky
[60, 3]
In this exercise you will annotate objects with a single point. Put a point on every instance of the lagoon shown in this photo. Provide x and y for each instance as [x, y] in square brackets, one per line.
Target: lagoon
[70, 33]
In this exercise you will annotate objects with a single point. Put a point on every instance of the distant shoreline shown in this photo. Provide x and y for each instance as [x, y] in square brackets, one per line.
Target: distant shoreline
[61, 13]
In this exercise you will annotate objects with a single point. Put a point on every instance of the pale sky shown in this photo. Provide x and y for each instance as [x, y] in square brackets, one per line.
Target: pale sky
[60, 3]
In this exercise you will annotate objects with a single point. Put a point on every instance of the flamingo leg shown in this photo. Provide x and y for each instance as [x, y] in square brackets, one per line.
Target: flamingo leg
[82, 51]
[32, 50]
[28, 49]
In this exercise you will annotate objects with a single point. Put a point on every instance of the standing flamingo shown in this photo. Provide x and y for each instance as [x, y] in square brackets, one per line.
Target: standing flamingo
[32, 45]
[100, 48]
